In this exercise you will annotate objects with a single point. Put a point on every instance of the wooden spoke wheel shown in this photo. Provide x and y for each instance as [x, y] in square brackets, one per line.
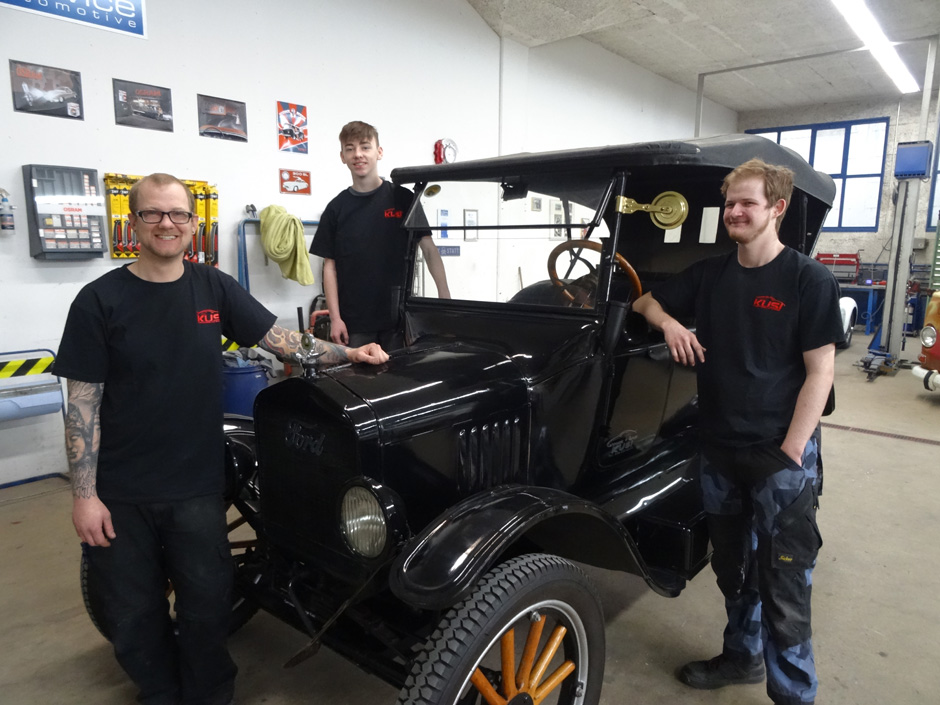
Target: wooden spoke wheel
[532, 632]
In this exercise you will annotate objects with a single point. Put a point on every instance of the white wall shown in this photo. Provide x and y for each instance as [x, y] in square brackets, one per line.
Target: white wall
[418, 70]
[582, 95]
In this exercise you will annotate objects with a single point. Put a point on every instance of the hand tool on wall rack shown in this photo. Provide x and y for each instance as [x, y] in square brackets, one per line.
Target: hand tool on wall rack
[130, 238]
[124, 243]
[212, 244]
[199, 244]
[114, 217]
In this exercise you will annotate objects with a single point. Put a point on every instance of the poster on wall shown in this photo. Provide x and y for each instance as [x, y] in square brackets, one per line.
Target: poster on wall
[46, 90]
[291, 127]
[142, 105]
[293, 181]
[221, 118]
[125, 16]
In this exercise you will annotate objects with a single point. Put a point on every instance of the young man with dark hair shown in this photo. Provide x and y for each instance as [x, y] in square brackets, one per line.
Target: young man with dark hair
[142, 356]
[767, 320]
[363, 245]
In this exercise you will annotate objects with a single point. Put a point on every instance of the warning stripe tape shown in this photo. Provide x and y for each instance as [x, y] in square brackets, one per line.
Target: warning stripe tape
[228, 345]
[29, 366]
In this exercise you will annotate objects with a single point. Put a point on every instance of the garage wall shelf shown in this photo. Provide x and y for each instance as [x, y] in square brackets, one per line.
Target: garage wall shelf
[27, 385]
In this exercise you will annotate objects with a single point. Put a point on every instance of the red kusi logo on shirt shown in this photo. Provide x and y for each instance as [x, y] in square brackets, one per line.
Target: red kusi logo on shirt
[769, 303]
[207, 316]
[393, 213]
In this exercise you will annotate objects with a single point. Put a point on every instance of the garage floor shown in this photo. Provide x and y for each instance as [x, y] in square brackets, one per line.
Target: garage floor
[877, 612]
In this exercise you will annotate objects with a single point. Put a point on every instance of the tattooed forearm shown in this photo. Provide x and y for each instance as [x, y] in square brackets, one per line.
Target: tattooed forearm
[277, 341]
[83, 436]
[283, 343]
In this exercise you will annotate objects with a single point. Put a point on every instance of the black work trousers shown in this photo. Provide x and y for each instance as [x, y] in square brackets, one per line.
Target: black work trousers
[186, 543]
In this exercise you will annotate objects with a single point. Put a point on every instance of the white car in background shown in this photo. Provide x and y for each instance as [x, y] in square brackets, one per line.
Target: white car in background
[849, 310]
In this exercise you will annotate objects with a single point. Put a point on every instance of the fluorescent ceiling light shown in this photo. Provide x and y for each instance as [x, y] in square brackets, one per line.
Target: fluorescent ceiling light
[864, 24]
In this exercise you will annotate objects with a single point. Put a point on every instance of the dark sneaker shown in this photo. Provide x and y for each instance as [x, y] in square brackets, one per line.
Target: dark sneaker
[719, 672]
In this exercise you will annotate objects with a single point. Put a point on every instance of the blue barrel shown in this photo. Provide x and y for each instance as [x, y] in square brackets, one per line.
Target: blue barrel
[240, 386]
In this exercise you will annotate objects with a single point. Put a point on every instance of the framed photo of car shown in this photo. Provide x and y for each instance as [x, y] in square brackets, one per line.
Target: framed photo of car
[222, 118]
[294, 181]
[142, 105]
[291, 127]
[46, 90]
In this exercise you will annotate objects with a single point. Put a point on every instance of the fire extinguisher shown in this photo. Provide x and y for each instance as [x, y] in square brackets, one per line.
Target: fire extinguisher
[6, 211]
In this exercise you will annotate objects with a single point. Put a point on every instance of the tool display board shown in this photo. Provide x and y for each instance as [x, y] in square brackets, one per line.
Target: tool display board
[65, 212]
[122, 241]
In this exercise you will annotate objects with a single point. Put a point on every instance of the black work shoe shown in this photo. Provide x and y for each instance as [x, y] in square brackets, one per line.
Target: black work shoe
[719, 672]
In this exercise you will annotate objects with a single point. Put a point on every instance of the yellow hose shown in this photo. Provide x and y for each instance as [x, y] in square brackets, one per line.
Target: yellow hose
[282, 238]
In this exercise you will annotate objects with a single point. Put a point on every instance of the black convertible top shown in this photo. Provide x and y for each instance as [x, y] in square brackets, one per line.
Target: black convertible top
[724, 152]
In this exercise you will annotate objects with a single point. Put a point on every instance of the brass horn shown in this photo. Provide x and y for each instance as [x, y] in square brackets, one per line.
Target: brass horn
[668, 210]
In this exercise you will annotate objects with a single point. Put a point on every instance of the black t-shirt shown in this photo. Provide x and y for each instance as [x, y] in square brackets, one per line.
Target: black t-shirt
[157, 349]
[363, 234]
[755, 325]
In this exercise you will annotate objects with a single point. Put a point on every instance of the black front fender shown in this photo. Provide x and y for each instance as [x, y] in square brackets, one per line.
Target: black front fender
[439, 567]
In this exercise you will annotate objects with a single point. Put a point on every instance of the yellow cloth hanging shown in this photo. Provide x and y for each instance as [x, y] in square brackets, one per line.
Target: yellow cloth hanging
[282, 238]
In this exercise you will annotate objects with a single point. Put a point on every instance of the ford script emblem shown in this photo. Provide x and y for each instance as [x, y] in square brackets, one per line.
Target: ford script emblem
[304, 439]
[620, 444]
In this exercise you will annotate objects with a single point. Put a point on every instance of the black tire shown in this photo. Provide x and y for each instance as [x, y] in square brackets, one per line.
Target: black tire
[847, 341]
[93, 602]
[533, 595]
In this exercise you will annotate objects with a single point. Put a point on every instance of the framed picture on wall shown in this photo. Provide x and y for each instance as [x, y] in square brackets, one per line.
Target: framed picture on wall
[222, 118]
[293, 181]
[557, 215]
[142, 105]
[46, 90]
[291, 127]
[470, 220]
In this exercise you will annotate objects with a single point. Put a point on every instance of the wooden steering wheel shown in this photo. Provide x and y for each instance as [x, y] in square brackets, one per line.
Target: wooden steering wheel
[622, 263]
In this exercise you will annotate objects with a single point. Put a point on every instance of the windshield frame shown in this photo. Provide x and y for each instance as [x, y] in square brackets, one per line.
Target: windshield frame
[601, 185]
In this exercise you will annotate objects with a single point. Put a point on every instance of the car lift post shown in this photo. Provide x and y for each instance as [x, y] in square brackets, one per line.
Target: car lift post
[884, 352]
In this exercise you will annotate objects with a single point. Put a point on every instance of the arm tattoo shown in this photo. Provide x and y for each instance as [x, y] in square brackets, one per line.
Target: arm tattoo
[83, 436]
[282, 343]
[277, 342]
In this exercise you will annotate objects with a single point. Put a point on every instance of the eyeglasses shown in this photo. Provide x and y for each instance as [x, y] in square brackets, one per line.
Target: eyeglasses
[154, 217]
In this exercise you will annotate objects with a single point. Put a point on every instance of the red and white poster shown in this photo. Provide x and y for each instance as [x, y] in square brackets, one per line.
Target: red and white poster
[291, 127]
[293, 181]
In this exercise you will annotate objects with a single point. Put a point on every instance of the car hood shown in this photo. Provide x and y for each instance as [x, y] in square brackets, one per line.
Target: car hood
[420, 389]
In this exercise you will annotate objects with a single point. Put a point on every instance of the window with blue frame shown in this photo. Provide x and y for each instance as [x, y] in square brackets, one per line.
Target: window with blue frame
[853, 153]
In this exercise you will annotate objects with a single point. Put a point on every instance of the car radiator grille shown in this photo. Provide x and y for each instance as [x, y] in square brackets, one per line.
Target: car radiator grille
[490, 455]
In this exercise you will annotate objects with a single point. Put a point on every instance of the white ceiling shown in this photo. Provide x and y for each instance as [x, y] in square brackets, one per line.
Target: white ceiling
[679, 39]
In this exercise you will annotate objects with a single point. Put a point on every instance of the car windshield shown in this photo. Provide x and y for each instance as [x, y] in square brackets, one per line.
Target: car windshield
[499, 242]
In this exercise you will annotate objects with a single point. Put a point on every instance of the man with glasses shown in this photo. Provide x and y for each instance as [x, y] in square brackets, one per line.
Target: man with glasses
[142, 355]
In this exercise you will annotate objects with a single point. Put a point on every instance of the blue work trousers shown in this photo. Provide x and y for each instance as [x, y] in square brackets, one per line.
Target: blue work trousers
[762, 520]
[186, 543]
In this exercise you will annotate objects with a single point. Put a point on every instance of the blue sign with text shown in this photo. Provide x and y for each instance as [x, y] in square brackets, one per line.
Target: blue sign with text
[449, 250]
[126, 16]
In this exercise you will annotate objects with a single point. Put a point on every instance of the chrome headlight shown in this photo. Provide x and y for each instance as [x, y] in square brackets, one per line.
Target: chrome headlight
[363, 522]
[928, 336]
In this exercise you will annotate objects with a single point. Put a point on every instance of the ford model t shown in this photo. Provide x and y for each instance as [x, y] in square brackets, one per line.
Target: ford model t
[423, 517]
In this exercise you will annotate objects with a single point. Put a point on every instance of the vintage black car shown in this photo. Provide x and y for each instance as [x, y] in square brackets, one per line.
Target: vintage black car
[421, 517]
